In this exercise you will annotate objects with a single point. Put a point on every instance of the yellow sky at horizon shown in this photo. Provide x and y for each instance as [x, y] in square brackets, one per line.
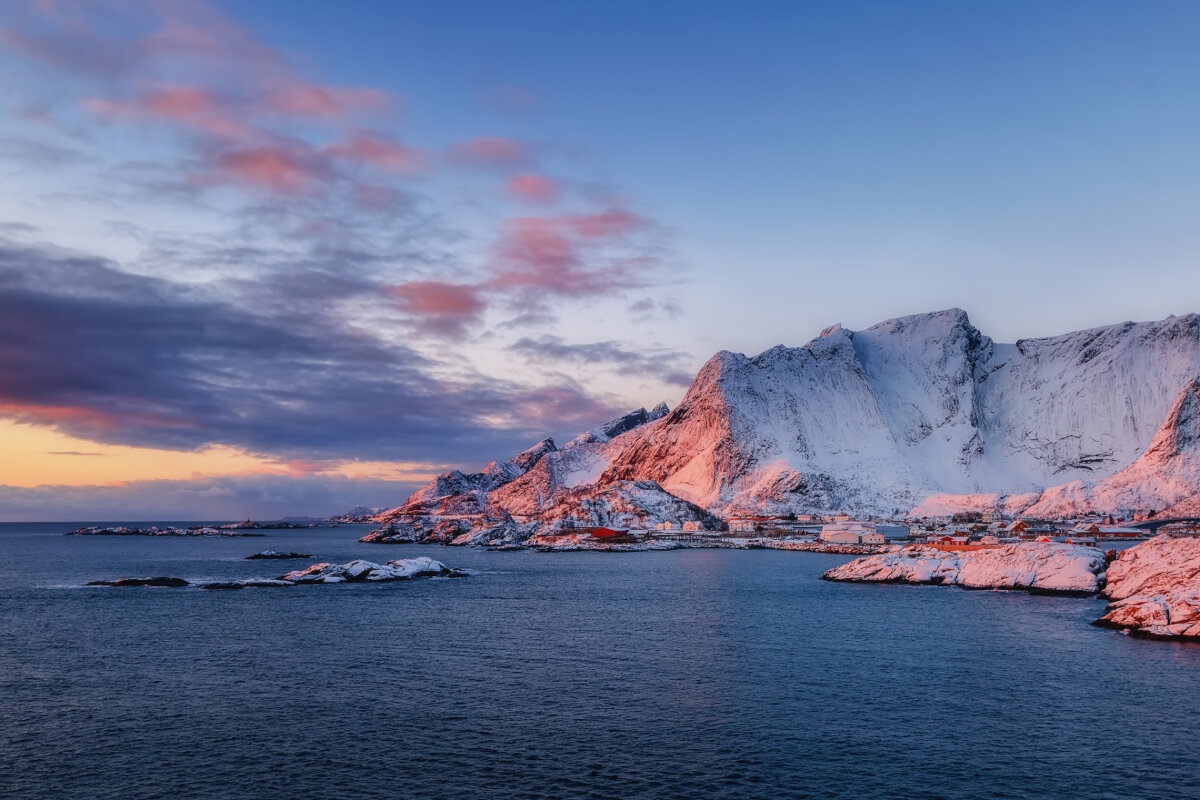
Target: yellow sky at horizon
[39, 456]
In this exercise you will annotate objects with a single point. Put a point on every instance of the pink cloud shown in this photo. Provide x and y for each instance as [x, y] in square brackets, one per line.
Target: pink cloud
[187, 105]
[304, 99]
[444, 309]
[281, 169]
[614, 222]
[565, 404]
[546, 255]
[489, 151]
[380, 152]
[533, 188]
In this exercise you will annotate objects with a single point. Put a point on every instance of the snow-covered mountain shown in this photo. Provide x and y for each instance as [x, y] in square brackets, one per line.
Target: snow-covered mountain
[921, 414]
[921, 411]
[542, 481]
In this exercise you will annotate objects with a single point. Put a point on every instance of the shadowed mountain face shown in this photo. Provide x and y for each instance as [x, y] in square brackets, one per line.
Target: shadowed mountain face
[922, 412]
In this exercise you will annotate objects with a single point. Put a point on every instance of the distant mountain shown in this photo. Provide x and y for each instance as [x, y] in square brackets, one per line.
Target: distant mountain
[921, 414]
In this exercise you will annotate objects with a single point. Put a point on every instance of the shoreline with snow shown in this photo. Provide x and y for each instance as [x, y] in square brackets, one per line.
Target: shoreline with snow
[1154, 590]
[1051, 568]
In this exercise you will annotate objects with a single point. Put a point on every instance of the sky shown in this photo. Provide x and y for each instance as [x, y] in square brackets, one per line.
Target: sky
[282, 258]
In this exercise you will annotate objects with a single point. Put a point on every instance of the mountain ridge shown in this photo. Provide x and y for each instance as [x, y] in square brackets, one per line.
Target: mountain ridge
[918, 414]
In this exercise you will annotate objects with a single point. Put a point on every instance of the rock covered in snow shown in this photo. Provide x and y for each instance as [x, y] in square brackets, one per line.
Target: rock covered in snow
[273, 554]
[395, 532]
[624, 504]
[1041, 567]
[1154, 589]
[359, 570]
[352, 572]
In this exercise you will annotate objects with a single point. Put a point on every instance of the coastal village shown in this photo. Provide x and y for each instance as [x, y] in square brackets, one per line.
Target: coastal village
[964, 531]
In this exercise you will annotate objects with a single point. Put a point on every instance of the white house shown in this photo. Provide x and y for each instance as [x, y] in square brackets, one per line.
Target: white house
[851, 532]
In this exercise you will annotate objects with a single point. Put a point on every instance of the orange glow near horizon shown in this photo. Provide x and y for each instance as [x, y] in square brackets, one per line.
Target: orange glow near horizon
[38, 456]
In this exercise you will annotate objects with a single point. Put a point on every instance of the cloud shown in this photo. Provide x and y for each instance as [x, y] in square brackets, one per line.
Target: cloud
[305, 248]
[445, 308]
[649, 308]
[561, 255]
[281, 169]
[534, 188]
[669, 366]
[490, 151]
[302, 99]
[379, 151]
[208, 499]
[113, 357]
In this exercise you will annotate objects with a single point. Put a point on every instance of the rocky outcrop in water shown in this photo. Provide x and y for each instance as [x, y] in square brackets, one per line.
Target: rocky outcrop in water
[272, 554]
[352, 572]
[1154, 589]
[169, 583]
[1039, 567]
[359, 570]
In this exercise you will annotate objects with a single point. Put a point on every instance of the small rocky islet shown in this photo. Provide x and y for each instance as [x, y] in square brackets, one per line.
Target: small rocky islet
[356, 571]
[277, 556]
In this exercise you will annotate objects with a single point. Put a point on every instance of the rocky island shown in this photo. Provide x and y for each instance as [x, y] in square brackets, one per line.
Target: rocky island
[1037, 567]
[273, 554]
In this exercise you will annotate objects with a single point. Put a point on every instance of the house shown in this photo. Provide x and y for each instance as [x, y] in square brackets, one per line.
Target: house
[599, 532]
[851, 532]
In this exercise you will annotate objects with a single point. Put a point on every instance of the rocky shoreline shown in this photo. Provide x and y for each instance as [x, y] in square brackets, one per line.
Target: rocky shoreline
[154, 530]
[1038, 567]
[1154, 590]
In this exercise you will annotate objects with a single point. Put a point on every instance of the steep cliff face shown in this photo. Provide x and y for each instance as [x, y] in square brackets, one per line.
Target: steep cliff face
[1167, 474]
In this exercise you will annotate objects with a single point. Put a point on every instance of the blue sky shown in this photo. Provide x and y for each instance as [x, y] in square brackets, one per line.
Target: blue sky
[458, 226]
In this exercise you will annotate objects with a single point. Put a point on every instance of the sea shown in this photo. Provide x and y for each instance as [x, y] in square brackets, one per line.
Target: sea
[681, 674]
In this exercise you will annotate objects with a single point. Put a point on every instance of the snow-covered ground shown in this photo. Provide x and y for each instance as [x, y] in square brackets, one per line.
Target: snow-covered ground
[1044, 567]
[1154, 589]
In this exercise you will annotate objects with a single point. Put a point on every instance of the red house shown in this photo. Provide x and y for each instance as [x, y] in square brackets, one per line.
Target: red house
[602, 533]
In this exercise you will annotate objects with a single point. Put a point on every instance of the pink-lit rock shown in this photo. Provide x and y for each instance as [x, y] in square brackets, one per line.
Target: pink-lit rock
[1040, 567]
[1155, 589]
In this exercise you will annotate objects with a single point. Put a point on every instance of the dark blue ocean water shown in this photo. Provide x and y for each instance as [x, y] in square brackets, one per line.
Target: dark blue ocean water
[686, 674]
